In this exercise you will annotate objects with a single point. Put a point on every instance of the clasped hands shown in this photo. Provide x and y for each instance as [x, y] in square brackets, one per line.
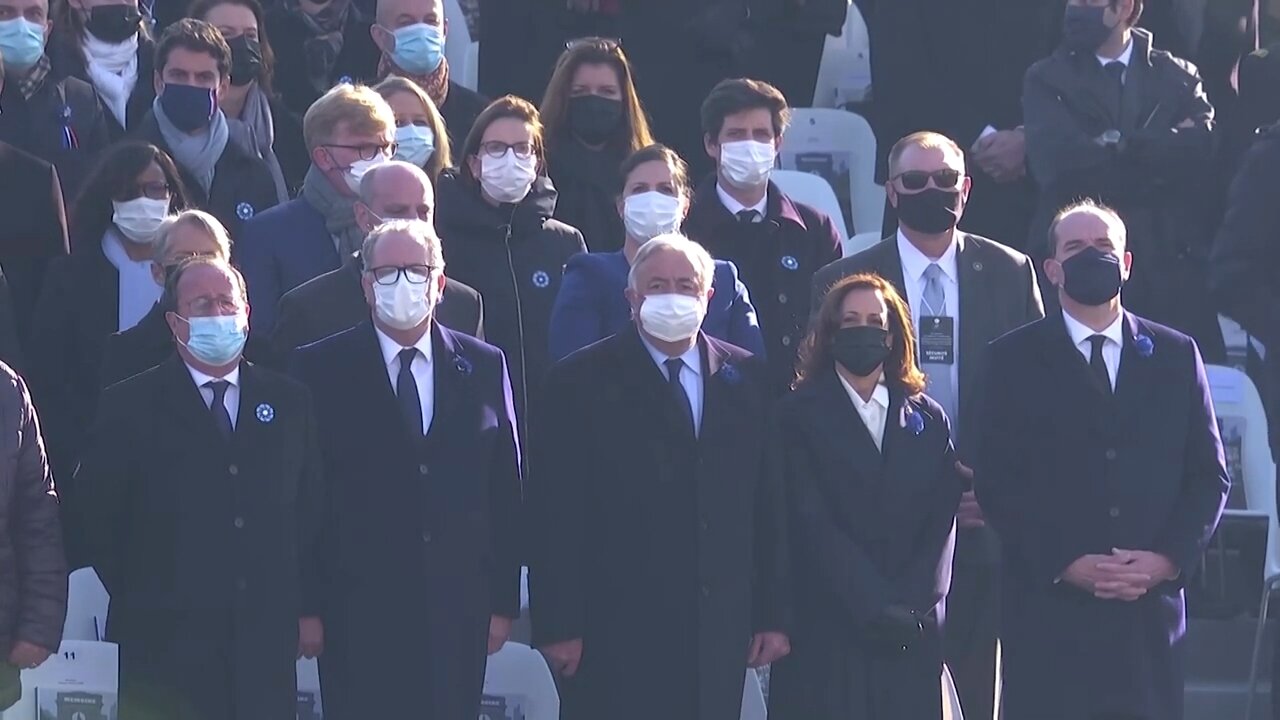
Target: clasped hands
[1123, 575]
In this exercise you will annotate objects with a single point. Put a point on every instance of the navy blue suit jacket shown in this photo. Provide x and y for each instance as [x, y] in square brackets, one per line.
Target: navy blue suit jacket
[1065, 469]
[591, 306]
[278, 250]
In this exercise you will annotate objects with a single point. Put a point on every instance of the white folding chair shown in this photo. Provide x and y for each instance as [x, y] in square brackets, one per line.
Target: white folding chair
[1236, 400]
[87, 603]
[753, 707]
[457, 46]
[519, 675]
[840, 146]
[813, 190]
[844, 75]
[950, 698]
[860, 242]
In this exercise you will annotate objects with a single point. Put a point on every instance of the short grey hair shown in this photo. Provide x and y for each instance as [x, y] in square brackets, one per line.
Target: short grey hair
[704, 267]
[423, 232]
[370, 178]
[197, 218]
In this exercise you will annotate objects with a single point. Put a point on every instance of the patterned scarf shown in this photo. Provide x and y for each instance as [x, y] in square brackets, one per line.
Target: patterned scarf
[322, 48]
[35, 77]
[435, 84]
[338, 210]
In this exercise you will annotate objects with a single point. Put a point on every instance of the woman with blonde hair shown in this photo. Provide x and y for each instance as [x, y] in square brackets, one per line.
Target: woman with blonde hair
[421, 136]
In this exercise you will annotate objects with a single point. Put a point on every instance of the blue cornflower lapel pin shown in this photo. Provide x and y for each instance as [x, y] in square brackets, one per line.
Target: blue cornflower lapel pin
[1145, 345]
[912, 420]
[265, 413]
[730, 373]
[462, 365]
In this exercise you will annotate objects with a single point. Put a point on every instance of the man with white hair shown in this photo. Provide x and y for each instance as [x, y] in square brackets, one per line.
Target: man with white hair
[659, 508]
[417, 425]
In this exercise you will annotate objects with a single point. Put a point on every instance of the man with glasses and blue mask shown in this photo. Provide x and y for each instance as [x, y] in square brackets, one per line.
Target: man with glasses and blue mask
[417, 424]
[203, 502]
[963, 291]
[411, 35]
[348, 132]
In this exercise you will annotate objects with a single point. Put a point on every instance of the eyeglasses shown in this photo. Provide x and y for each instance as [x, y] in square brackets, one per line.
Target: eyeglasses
[497, 148]
[369, 152]
[944, 179]
[390, 274]
[152, 190]
[600, 43]
[209, 306]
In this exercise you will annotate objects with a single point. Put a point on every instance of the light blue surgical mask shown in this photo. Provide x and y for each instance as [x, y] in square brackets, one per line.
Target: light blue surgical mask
[21, 42]
[415, 144]
[219, 339]
[419, 48]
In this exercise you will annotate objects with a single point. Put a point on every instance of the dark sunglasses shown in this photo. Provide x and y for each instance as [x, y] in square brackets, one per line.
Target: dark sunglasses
[946, 179]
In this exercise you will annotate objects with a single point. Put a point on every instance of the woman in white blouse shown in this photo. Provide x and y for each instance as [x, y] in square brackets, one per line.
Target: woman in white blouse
[873, 489]
[106, 43]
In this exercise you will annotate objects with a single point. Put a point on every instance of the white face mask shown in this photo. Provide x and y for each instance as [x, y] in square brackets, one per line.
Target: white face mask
[355, 173]
[415, 144]
[404, 305]
[507, 179]
[747, 163]
[650, 214]
[139, 219]
[672, 317]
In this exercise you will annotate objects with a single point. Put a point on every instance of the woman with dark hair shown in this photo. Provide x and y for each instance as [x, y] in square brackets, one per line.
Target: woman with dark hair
[873, 490]
[105, 285]
[494, 219]
[594, 120]
[106, 44]
[422, 138]
[653, 201]
[256, 117]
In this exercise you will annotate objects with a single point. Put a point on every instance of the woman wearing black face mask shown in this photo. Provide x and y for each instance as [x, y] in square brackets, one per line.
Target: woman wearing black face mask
[107, 44]
[256, 117]
[594, 121]
[873, 495]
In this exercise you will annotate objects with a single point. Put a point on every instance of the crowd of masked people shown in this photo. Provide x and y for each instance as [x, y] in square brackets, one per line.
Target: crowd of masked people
[309, 350]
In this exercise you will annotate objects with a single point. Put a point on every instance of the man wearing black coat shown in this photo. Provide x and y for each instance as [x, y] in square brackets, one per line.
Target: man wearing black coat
[1110, 117]
[1099, 465]
[328, 43]
[740, 216]
[202, 493]
[34, 231]
[422, 560]
[660, 547]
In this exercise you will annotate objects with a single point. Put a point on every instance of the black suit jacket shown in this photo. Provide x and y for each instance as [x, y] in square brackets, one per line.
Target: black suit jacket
[661, 551]
[330, 303]
[1064, 469]
[204, 539]
[424, 542]
[34, 231]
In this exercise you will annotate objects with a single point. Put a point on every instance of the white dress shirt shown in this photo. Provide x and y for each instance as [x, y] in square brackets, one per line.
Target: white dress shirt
[421, 369]
[734, 207]
[874, 412]
[914, 263]
[138, 288]
[230, 400]
[1114, 333]
[1123, 59]
[690, 376]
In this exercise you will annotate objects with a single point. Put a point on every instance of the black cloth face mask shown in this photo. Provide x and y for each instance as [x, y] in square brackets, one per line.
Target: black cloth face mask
[113, 23]
[860, 349]
[931, 211]
[1092, 277]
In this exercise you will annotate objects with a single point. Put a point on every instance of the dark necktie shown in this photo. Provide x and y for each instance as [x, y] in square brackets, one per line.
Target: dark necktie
[678, 394]
[748, 216]
[407, 393]
[221, 418]
[1097, 364]
[1115, 74]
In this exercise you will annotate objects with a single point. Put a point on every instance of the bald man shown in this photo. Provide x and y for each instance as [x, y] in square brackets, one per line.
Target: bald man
[333, 302]
[1100, 467]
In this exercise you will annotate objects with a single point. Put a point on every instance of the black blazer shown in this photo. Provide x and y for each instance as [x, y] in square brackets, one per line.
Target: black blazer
[661, 551]
[412, 516]
[870, 528]
[38, 125]
[333, 302]
[67, 60]
[1064, 469]
[204, 539]
[356, 63]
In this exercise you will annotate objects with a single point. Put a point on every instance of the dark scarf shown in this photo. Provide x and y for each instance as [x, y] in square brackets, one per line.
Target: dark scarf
[324, 42]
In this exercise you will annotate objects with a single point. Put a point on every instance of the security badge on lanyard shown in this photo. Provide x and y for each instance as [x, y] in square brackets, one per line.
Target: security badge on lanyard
[937, 334]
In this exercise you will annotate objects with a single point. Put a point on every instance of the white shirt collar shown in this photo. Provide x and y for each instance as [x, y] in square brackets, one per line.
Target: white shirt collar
[391, 349]
[200, 378]
[1124, 56]
[692, 359]
[734, 207]
[1080, 333]
[914, 262]
[879, 396]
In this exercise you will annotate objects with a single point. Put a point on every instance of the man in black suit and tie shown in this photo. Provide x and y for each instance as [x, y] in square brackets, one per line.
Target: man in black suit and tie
[203, 500]
[332, 302]
[660, 551]
[1100, 466]
[422, 557]
[964, 291]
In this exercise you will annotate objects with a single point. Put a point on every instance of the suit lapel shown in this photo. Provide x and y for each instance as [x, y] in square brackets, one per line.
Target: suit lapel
[889, 265]
[1070, 365]
[1135, 380]
[369, 367]
[645, 385]
[449, 368]
[717, 403]
[851, 432]
[185, 404]
[257, 410]
[1134, 109]
[975, 311]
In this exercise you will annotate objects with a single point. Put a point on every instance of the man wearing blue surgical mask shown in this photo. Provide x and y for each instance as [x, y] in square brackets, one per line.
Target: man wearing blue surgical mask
[193, 65]
[411, 35]
[59, 121]
[212, 462]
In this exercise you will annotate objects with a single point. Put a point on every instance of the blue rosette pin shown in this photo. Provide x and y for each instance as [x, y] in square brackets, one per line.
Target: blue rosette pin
[730, 373]
[462, 365]
[912, 420]
[265, 413]
[1145, 345]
